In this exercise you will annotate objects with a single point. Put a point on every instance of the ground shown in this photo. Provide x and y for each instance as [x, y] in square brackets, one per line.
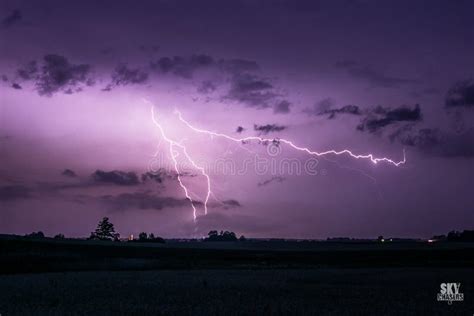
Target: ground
[305, 279]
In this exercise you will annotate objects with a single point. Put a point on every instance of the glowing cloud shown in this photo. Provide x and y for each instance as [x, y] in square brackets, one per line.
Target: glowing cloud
[174, 146]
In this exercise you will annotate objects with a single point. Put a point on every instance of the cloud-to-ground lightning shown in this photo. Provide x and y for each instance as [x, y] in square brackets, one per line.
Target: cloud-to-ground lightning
[173, 144]
[174, 154]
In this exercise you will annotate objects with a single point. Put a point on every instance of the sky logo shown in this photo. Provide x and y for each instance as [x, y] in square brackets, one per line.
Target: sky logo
[449, 292]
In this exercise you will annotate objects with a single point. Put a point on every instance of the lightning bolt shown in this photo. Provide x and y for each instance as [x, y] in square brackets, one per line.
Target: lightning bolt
[174, 154]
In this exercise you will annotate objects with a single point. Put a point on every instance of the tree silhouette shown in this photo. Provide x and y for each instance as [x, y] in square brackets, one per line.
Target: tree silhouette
[59, 236]
[222, 236]
[143, 236]
[38, 234]
[105, 231]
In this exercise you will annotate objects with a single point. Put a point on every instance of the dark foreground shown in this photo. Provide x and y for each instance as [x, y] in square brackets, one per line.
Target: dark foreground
[81, 278]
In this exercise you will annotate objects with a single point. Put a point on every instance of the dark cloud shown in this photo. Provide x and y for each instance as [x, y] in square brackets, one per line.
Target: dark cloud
[162, 174]
[381, 117]
[239, 129]
[142, 201]
[183, 66]
[320, 106]
[14, 192]
[13, 18]
[375, 78]
[16, 86]
[347, 109]
[251, 91]
[271, 180]
[58, 74]
[282, 107]
[123, 76]
[29, 71]
[186, 66]
[206, 87]
[245, 86]
[153, 176]
[69, 173]
[116, 177]
[231, 203]
[461, 94]
[4, 78]
[435, 142]
[268, 128]
[158, 176]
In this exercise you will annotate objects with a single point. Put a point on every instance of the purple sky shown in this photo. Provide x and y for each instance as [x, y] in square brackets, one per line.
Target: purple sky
[77, 141]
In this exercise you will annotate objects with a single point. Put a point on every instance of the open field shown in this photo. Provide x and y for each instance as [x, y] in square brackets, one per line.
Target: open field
[264, 278]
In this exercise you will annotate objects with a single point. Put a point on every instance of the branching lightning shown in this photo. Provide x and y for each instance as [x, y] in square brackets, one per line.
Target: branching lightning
[173, 146]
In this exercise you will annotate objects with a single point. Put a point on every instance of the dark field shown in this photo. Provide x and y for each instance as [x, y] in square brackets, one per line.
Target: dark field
[249, 278]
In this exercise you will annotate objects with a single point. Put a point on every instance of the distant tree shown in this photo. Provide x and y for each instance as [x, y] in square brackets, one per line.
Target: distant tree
[143, 236]
[380, 238]
[59, 236]
[454, 235]
[105, 231]
[465, 236]
[38, 234]
[242, 238]
[222, 236]
[156, 239]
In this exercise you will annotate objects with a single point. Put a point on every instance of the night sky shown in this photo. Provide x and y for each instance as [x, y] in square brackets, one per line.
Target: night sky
[77, 139]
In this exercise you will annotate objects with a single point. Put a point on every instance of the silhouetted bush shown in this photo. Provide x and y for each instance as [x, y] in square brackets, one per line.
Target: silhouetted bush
[59, 236]
[35, 235]
[144, 237]
[222, 236]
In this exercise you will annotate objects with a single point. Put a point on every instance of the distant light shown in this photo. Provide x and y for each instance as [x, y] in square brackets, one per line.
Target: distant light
[382, 240]
[130, 237]
[431, 240]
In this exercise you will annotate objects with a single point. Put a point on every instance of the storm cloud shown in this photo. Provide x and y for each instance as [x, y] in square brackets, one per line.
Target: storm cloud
[461, 94]
[268, 128]
[183, 66]
[381, 117]
[251, 91]
[123, 76]
[347, 109]
[13, 18]
[115, 177]
[58, 74]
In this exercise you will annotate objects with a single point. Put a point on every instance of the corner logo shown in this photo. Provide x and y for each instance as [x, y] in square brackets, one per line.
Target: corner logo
[449, 292]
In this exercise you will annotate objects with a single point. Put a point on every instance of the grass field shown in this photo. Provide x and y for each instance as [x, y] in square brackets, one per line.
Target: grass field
[88, 278]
